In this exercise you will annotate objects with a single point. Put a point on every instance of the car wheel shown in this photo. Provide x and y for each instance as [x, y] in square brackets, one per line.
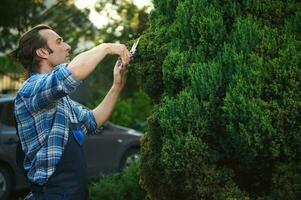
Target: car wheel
[5, 183]
[131, 156]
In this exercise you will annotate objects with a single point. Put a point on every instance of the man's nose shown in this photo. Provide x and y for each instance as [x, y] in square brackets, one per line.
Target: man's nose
[68, 47]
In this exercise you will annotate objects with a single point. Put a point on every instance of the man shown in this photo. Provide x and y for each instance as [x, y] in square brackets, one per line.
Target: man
[50, 125]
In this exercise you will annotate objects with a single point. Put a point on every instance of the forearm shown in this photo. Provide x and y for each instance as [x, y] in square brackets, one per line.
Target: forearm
[104, 110]
[83, 64]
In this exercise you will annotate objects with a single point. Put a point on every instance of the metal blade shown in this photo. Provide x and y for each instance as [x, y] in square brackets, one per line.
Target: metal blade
[133, 49]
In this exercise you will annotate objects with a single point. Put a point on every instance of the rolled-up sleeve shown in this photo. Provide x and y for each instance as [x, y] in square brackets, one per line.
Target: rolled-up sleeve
[68, 82]
[85, 117]
[45, 89]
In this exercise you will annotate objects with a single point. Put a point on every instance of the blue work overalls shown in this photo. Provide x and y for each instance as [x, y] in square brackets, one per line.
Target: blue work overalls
[70, 180]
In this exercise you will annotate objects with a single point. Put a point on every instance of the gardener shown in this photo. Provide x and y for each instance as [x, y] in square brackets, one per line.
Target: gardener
[50, 125]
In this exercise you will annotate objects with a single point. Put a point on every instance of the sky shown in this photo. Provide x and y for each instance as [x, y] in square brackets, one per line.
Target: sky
[100, 20]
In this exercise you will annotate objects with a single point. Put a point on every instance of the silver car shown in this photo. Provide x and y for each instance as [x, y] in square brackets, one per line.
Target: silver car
[108, 150]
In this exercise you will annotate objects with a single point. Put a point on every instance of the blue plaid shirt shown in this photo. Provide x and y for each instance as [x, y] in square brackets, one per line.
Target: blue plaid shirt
[43, 112]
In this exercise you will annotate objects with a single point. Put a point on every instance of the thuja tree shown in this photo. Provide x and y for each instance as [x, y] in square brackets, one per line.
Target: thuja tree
[226, 80]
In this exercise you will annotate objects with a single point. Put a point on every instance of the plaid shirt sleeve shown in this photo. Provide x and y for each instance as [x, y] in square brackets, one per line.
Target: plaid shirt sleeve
[85, 117]
[51, 87]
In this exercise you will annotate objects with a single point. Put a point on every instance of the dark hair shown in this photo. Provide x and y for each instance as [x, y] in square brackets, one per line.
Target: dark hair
[29, 42]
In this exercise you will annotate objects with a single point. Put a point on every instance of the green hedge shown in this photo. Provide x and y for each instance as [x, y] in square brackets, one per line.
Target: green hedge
[226, 80]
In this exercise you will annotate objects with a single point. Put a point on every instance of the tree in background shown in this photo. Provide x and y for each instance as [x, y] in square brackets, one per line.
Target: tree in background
[15, 18]
[19, 16]
[226, 79]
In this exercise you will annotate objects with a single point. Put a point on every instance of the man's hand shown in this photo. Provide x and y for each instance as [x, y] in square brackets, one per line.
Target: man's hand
[122, 51]
[120, 75]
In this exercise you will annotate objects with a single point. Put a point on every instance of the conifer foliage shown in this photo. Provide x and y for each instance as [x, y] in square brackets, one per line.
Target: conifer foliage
[226, 80]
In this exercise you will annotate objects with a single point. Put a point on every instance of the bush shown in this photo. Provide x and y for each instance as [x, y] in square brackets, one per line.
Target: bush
[226, 79]
[124, 186]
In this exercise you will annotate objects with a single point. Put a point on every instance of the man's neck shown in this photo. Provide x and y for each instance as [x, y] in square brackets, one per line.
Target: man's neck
[45, 68]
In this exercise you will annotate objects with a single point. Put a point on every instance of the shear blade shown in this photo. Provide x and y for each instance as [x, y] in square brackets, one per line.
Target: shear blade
[133, 49]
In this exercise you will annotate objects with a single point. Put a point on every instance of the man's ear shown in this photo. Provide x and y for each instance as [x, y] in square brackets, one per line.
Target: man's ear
[42, 53]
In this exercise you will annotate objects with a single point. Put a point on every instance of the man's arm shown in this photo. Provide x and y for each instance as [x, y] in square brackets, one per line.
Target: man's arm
[83, 64]
[104, 110]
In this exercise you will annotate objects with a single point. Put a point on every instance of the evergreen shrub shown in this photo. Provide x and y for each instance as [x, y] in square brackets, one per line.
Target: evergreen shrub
[225, 77]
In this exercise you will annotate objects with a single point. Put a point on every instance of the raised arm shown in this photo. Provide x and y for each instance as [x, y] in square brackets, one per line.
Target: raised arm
[103, 111]
[83, 64]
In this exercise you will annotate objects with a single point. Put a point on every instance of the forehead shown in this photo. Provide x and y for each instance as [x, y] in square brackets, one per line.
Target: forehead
[49, 35]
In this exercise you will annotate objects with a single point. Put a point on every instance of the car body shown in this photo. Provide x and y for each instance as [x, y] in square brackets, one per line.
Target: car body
[109, 149]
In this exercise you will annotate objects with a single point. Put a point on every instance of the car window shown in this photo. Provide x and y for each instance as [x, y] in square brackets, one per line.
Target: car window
[7, 113]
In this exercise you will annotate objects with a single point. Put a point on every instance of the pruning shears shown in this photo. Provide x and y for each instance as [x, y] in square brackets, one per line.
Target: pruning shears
[132, 51]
